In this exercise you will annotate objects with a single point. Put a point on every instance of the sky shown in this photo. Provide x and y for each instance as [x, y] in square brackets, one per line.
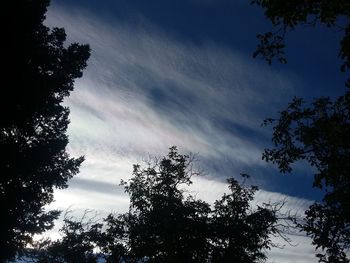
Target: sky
[164, 73]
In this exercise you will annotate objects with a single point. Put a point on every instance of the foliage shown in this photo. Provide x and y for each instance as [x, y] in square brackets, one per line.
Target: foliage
[163, 225]
[79, 239]
[166, 226]
[33, 127]
[237, 233]
[319, 134]
[287, 15]
[113, 241]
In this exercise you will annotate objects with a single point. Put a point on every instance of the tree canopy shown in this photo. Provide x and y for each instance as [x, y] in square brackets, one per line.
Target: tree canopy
[237, 233]
[165, 223]
[80, 238]
[33, 139]
[318, 132]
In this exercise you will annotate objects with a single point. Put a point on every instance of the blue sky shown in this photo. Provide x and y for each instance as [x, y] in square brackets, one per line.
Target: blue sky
[181, 73]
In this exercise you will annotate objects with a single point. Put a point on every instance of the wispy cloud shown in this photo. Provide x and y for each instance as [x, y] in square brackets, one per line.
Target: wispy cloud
[145, 90]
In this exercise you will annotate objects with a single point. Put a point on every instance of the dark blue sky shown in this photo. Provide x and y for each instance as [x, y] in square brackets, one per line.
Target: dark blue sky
[312, 53]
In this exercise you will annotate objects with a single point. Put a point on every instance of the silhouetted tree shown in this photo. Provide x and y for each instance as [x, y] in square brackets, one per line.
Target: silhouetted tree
[79, 239]
[239, 234]
[114, 240]
[287, 15]
[163, 225]
[166, 224]
[34, 161]
[319, 134]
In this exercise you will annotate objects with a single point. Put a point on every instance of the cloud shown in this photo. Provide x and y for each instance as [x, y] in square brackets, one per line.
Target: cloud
[145, 90]
[301, 252]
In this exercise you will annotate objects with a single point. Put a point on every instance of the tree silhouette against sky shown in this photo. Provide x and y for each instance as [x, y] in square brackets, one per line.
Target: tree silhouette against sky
[165, 223]
[33, 139]
[317, 133]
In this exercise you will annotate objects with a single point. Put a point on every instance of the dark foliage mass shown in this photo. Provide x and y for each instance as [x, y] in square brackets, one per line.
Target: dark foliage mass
[167, 224]
[237, 234]
[40, 71]
[163, 225]
[317, 133]
[79, 239]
